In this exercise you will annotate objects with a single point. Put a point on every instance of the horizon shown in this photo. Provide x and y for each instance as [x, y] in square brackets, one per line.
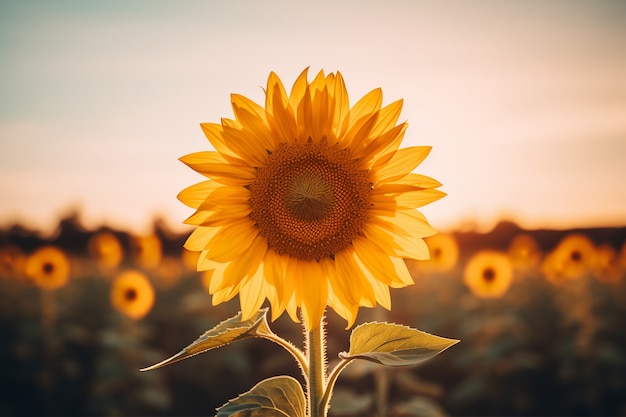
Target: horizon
[75, 216]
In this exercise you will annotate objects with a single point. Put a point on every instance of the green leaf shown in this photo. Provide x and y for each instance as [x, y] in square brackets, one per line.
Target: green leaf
[279, 396]
[393, 344]
[226, 332]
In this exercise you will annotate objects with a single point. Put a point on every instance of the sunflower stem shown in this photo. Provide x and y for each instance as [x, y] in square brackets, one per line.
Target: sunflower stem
[316, 378]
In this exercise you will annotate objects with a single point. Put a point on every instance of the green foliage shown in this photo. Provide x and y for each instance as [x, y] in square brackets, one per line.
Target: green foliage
[280, 396]
[540, 349]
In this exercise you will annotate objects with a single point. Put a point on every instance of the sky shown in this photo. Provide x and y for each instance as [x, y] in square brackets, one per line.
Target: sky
[524, 103]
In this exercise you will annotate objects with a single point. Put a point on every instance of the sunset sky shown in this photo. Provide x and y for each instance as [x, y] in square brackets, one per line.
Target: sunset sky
[524, 103]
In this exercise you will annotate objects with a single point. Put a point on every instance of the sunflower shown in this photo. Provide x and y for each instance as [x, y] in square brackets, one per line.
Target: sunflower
[572, 258]
[524, 252]
[309, 202]
[607, 267]
[48, 267]
[12, 261]
[146, 250]
[132, 294]
[169, 272]
[488, 274]
[106, 249]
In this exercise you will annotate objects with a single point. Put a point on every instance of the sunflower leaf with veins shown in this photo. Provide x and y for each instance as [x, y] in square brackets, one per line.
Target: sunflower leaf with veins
[394, 345]
[280, 396]
[228, 331]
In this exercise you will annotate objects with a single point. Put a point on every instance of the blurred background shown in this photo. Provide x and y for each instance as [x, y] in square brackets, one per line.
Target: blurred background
[523, 103]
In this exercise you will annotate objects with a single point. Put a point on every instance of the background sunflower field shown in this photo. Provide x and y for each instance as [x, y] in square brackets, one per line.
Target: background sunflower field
[540, 315]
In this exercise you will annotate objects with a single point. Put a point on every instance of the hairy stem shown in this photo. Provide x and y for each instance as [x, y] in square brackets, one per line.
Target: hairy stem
[316, 378]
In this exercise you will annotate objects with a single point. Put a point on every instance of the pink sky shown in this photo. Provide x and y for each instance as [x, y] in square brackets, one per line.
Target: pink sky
[523, 103]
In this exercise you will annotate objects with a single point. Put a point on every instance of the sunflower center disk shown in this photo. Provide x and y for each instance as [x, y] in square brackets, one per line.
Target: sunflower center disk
[310, 200]
[309, 197]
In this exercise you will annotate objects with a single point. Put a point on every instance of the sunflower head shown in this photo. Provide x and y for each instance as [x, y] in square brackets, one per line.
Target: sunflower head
[572, 258]
[488, 274]
[607, 267]
[12, 260]
[524, 252]
[308, 201]
[146, 250]
[106, 249]
[132, 294]
[48, 267]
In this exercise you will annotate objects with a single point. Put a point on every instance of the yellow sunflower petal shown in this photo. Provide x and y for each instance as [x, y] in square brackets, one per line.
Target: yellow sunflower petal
[341, 109]
[244, 142]
[418, 180]
[280, 116]
[321, 123]
[231, 241]
[385, 144]
[395, 242]
[274, 271]
[381, 291]
[215, 134]
[348, 312]
[369, 254]
[214, 166]
[416, 199]
[251, 117]
[206, 264]
[225, 295]
[298, 89]
[402, 163]
[252, 294]
[220, 216]
[249, 262]
[403, 276]
[276, 266]
[371, 137]
[367, 106]
[349, 275]
[198, 239]
[304, 117]
[195, 195]
[217, 282]
[312, 291]
[336, 273]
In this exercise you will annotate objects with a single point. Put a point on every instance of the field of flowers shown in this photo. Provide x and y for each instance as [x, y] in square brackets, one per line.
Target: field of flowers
[540, 314]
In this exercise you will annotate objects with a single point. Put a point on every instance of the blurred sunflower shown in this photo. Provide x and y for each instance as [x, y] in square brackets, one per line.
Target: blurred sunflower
[169, 272]
[12, 260]
[146, 250]
[444, 253]
[607, 266]
[309, 202]
[132, 294]
[106, 249]
[488, 274]
[524, 252]
[48, 267]
[573, 257]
